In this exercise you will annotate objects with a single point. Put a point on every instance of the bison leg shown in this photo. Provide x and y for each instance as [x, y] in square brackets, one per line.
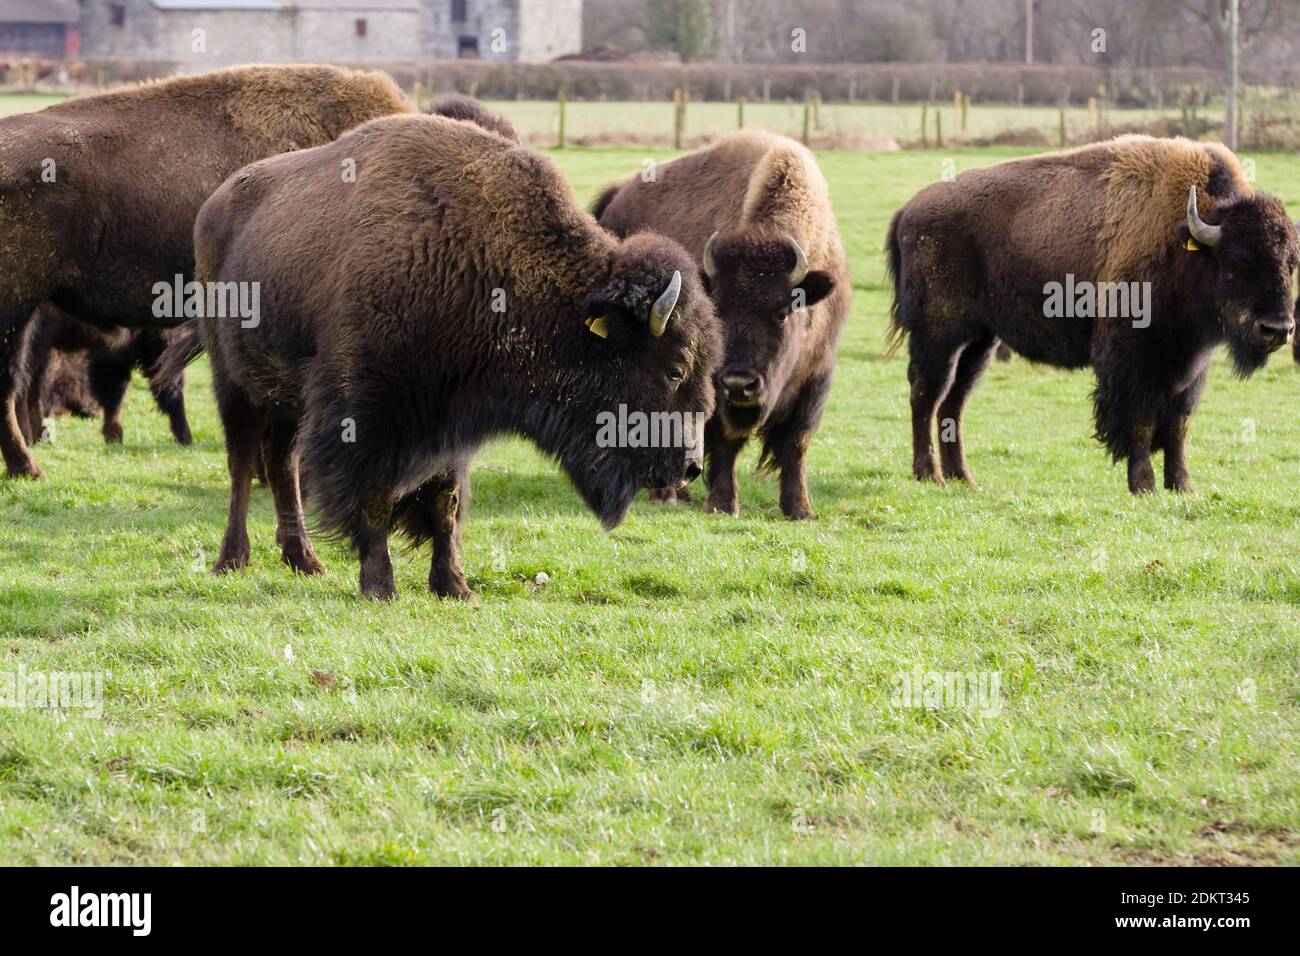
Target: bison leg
[1171, 434]
[376, 565]
[722, 450]
[14, 327]
[446, 578]
[39, 348]
[1141, 474]
[109, 379]
[929, 372]
[243, 426]
[952, 449]
[282, 475]
[168, 393]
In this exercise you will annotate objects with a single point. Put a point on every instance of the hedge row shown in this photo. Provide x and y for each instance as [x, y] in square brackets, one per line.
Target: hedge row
[907, 82]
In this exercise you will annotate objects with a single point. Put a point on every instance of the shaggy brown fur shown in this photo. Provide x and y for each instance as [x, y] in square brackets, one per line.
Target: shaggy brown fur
[971, 260]
[472, 111]
[98, 195]
[410, 316]
[105, 360]
[757, 190]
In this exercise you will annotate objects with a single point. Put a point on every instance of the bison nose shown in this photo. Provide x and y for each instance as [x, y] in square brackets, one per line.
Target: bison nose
[1276, 330]
[693, 471]
[742, 385]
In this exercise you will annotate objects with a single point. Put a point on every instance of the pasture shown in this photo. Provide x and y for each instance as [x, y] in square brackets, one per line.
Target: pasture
[687, 688]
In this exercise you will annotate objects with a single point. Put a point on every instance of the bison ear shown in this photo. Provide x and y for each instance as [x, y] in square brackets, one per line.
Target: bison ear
[815, 286]
[706, 281]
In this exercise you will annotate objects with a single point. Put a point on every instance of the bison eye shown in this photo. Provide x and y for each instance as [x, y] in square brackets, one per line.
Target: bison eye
[676, 375]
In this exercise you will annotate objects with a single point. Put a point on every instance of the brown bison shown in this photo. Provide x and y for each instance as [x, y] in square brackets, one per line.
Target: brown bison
[753, 208]
[98, 195]
[109, 357]
[453, 292]
[1136, 256]
[470, 110]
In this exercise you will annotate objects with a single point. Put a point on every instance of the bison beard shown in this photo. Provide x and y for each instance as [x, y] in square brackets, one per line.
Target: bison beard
[102, 210]
[776, 271]
[1122, 211]
[442, 303]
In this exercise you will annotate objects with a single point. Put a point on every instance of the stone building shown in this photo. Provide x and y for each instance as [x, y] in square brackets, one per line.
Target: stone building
[46, 28]
[207, 34]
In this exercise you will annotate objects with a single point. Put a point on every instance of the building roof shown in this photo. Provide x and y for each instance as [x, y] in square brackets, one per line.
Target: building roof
[340, 5]
[217, 4]
[39, 11]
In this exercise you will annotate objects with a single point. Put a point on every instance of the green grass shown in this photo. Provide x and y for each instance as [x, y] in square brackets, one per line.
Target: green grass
[688, 688]
[598, 123]
[25, 102]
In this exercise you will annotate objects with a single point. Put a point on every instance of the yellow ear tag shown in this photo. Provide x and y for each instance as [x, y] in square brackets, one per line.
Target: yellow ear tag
[1192, 244]
[598, 326]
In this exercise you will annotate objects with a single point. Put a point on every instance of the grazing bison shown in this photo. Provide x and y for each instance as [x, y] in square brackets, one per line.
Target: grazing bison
[453, 292]
[110, 355]
[98, 195]
[755, 211]
[1158, 249]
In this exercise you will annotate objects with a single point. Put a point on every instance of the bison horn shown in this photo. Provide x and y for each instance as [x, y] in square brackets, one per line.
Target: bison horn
[1201, 230]
[800, 263]
[663, 309]
[710, 264]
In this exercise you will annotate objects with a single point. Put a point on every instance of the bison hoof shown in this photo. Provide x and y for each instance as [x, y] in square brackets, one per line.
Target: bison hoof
[113, 434]
[303, 562]
[378, 590]
[930, 474]
[719, 505]
[664, 496]
[1180, 485]
[183, 438]
[27, 470]
[236, 562]
[802, 513]
[452, 586]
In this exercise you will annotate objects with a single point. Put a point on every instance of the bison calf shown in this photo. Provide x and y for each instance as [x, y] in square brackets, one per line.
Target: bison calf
[1099, 256]
[453, 292]
[755, 211]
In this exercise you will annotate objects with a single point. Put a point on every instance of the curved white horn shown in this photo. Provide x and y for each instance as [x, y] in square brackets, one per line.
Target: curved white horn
[800, 263]
[710, 264]
[662, 310]
[1201, 231]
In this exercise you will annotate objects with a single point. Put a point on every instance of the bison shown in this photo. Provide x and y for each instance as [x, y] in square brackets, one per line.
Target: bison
[98, 195]
[109, 357]
[754, 210]
[1159, 250]
[454, 291]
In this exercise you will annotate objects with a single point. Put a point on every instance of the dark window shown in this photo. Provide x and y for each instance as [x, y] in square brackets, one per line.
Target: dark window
[361, 28]
[459, 13]
[467, 48]
[117, 14]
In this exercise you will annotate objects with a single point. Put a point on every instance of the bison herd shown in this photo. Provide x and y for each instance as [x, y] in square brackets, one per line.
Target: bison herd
[380, 292]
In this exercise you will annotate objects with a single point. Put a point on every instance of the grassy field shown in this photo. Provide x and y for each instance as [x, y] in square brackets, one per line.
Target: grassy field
[596, 123]
[687, 688]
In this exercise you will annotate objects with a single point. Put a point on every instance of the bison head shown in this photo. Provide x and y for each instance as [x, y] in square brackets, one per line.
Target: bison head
[1255, 250]
[656, 345]
[763, 288]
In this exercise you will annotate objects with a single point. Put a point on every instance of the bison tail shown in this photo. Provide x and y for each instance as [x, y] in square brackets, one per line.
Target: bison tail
[184, 345]
[603, 200]
[896, 333]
